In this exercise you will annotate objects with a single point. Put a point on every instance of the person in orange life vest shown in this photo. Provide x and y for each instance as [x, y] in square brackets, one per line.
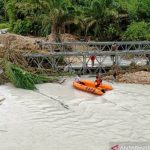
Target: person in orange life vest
[98, 80]
[92, 57]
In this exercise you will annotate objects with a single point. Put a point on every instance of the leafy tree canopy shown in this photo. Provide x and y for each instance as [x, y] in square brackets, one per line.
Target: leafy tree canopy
[102, 19]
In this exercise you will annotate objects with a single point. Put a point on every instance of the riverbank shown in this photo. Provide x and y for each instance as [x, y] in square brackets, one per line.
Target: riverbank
[139, 77]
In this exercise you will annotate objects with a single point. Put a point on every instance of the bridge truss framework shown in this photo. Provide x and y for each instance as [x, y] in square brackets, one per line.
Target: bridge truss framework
[75, 56]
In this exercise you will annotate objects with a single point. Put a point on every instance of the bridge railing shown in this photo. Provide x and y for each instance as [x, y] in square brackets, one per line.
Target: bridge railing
[93, 46]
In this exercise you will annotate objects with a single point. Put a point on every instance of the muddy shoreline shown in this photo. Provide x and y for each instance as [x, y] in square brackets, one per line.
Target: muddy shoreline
[139, 77]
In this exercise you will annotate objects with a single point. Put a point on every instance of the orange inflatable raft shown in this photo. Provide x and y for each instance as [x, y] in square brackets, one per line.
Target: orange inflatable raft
[92, 84]
[87, 88]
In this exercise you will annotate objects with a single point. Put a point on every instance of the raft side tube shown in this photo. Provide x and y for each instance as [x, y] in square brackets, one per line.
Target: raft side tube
[87, 88]
[92, 84]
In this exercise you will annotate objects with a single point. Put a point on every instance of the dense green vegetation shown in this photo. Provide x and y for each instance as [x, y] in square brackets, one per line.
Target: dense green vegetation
[101, 19]
[24, 79]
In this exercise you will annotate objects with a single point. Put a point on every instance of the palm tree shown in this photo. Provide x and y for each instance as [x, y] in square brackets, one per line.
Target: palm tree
[99, 14]
[56, 12]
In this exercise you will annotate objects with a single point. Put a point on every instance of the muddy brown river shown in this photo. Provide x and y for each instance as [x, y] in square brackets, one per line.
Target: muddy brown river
[59, 117]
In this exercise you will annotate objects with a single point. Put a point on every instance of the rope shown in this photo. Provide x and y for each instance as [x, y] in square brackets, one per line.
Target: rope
[52, 98]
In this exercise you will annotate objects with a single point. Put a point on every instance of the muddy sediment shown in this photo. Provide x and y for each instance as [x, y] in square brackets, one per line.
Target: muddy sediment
[139, 77]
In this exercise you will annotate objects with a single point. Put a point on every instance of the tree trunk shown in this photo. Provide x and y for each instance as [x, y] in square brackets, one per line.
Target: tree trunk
[54, 32]
[62, 28]
[54, 28]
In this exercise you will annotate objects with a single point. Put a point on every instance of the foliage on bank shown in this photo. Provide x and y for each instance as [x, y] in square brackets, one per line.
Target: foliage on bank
[138, 31]
[24, 79]
[14, 68]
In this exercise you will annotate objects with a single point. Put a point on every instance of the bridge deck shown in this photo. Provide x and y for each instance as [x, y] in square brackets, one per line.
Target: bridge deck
[88, 53]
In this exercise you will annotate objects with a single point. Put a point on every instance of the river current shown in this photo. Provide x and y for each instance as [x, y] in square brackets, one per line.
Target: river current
[59, 117]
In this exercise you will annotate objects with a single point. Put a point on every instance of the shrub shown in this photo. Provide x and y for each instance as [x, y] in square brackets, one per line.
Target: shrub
[4, 25]
[22, 27]
[112, 32]
[26, 27]
[137, 31]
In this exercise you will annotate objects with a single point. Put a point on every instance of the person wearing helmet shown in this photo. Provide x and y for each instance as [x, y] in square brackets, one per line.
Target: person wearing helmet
[78, 80]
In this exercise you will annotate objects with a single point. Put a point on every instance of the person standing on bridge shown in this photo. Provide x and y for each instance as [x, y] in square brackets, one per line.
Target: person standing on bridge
[92, 58]
[114, 47]
[148, 59]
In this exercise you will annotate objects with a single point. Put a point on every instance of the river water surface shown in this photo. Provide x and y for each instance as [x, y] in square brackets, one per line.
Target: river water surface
[33, 121]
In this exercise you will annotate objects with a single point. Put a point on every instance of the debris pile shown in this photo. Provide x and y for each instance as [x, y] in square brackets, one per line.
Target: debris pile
[141, 77]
